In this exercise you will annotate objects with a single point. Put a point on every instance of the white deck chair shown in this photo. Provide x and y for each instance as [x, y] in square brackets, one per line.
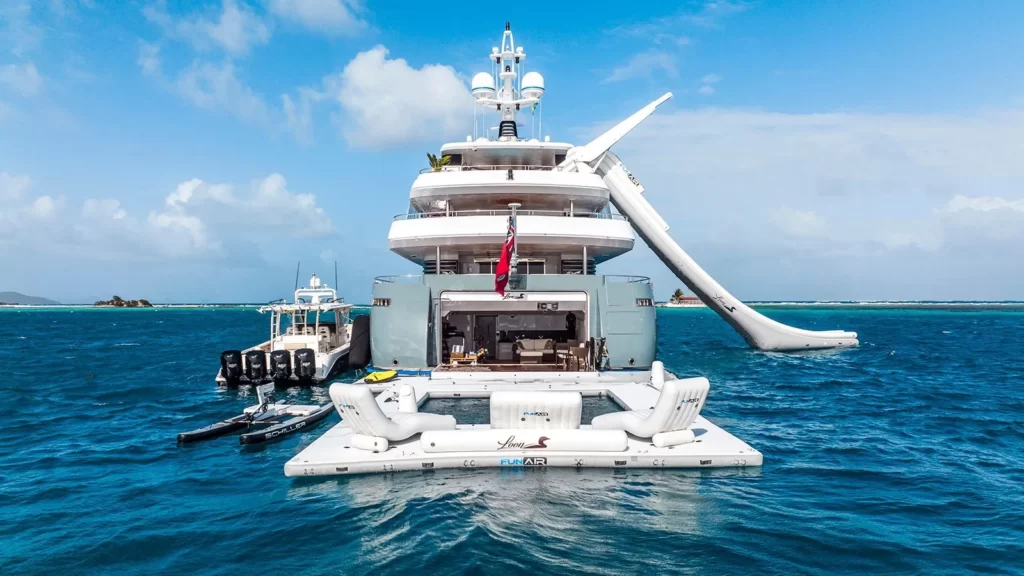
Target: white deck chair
[374, 429]
[668, 423]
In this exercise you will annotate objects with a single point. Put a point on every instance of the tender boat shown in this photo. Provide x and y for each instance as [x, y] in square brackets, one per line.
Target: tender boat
[310, 341]
[511, 316]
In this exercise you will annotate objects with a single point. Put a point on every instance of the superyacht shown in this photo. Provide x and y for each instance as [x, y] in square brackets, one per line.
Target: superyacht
[512, 314]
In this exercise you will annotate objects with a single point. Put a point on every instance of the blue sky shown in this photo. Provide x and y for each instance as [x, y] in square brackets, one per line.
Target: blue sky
[193, 151]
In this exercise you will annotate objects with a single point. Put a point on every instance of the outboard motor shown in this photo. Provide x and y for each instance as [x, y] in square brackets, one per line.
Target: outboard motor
[280, 365]
[231, 366]
[305, 364]
[257, 365]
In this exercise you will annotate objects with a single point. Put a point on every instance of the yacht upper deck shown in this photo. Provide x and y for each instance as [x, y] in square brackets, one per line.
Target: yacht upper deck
[459, 207]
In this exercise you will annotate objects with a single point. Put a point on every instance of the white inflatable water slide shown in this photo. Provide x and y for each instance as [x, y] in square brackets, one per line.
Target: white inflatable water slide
[627, 196]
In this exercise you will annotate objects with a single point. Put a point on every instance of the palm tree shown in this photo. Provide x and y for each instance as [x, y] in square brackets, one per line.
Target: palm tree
[677, 296]
[437, 163]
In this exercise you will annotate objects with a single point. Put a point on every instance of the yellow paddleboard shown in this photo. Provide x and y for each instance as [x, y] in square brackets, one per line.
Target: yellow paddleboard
[379, 377]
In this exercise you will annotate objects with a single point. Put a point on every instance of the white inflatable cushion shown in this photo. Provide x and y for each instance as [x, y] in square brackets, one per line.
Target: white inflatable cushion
[407, 399]
[537, 441]
[359, 410]
[369, 443]
[674, 438]
[537, 410]
[678, 405]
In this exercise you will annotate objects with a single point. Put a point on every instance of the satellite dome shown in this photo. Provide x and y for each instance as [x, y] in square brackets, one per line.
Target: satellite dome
[483, 86]
[533, 85]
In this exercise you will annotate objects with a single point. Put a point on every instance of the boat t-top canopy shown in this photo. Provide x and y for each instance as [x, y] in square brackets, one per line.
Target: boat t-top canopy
[317, 297]
[289, 308]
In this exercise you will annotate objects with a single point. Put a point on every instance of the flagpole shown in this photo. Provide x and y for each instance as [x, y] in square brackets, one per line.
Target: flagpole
[514, 263]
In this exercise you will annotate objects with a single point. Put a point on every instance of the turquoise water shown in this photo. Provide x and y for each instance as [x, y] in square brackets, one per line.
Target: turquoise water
[905, 455]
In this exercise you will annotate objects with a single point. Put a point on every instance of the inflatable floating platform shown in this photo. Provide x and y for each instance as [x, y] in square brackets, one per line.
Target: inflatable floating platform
[535, 422]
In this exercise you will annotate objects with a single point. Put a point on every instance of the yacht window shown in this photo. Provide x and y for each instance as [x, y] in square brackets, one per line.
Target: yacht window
[526, 266]
[447, 266]
[570, 266]
[531, 266]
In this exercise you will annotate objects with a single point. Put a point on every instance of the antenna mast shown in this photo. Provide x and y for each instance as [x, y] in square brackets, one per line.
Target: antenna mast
[504, 89]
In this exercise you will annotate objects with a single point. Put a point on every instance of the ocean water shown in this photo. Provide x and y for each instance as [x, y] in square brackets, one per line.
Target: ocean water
[905, 455]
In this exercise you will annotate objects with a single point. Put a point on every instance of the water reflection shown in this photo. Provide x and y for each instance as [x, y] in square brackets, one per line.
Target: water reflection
[553, 502]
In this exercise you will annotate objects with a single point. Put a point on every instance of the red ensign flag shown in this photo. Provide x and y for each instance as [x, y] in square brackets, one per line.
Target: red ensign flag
[501, 272]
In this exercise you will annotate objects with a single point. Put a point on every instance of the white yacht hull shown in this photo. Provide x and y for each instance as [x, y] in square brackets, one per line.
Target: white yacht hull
[327, 363]
[333, 454]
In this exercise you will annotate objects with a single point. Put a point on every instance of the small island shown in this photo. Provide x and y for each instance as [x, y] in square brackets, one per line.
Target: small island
[118, 302]
[679, 299]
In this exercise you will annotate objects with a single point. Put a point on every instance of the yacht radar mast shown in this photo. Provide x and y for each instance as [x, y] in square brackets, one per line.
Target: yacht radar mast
[500, 89]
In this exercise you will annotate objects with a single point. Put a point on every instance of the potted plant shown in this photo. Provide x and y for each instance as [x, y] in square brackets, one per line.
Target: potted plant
[437, 163]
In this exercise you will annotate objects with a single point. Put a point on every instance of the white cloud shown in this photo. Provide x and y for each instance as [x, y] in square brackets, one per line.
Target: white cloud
[43, 208]
[799, 223]
[215, 87]
[18, 33]
[388, 102]
[270, 205]
[299, 113]
[12, 188]
[149, 59]
[197, 219]
[181, 233]
[707, 84]
[21, 78]
[207, 85]
[19, 213]
[667, 29]
[643, 65]
[235, 30]
[105, 209]
[983, 204]
[324, 16]
[849, 205]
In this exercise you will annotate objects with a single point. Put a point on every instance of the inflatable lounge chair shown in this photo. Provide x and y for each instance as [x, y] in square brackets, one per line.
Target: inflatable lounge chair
[668, 423]
[374, 429]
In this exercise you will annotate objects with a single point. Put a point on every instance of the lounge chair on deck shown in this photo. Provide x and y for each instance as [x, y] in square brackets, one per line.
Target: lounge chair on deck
[668, 423]
[374, 429]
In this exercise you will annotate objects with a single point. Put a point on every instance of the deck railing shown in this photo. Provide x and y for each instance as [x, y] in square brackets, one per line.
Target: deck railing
[623, 278]
[505, 212]
[468, 168]
[399, 278]
[418, 278]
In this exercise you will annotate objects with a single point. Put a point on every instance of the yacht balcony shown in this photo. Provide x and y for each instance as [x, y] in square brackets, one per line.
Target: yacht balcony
[419, 236]
[497, 185]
